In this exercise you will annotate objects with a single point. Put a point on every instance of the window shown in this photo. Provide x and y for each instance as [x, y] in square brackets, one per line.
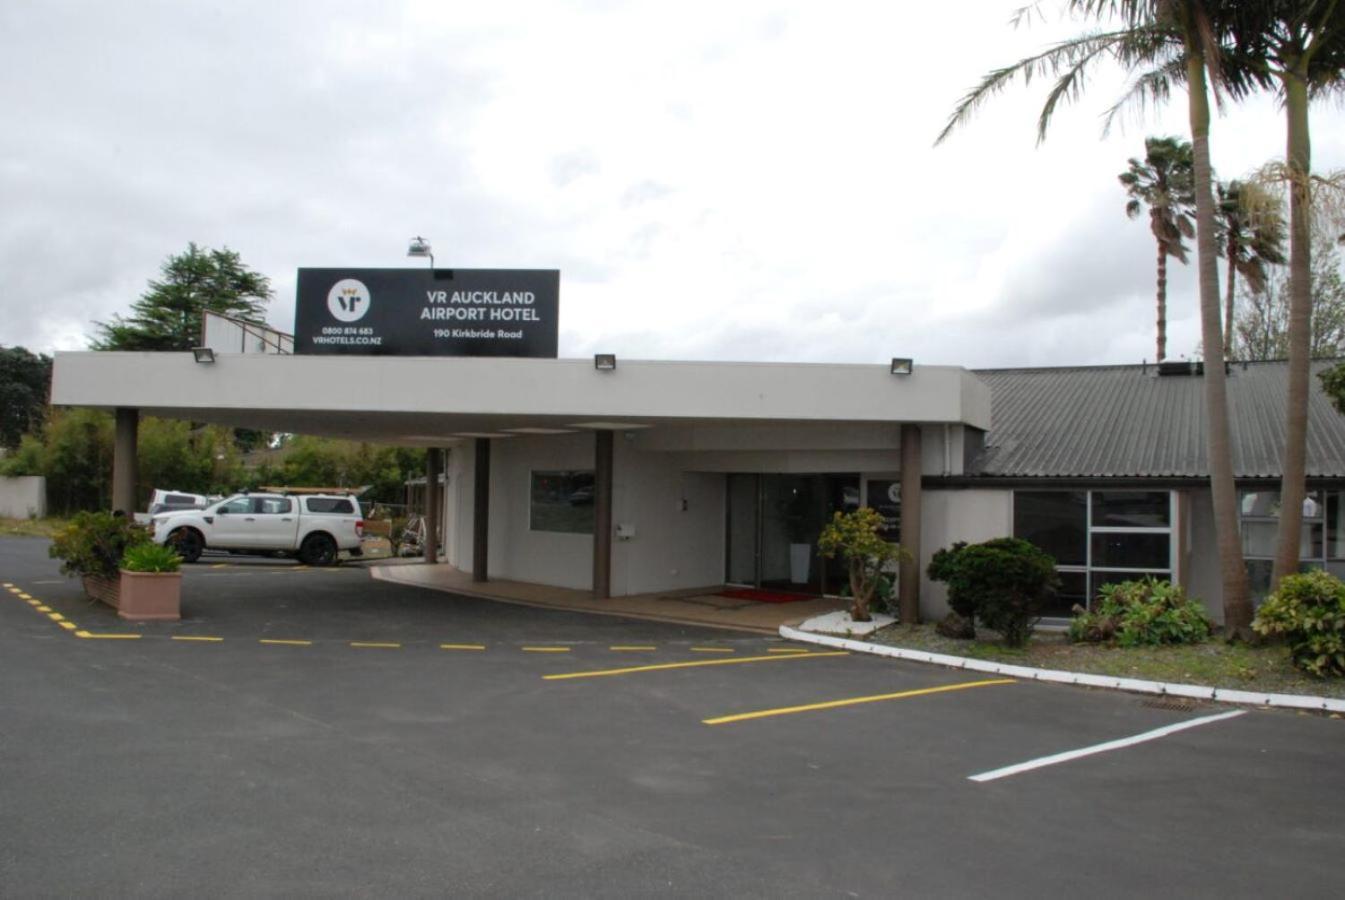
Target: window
[562, 501]
[239, 506]
[1098, 538]
[330, 505]
[1321, 543]
[274, 506]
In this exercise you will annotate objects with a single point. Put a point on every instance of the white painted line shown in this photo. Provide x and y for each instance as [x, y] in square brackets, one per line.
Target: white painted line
[1103, 748]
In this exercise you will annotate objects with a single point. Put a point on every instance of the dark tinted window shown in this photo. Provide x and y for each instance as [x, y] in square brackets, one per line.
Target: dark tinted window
[562, 501]
[179, 500]
[1131, 509]
[1055, 521]
[1118, 550]
[329, 505]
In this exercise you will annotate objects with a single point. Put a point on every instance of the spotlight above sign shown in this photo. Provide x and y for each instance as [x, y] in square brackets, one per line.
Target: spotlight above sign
[428, 312]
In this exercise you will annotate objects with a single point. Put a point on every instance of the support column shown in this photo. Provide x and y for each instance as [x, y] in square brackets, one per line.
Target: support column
[124, 460]
[908, 596]
[602, 515]
[433, 464]
[481, 511]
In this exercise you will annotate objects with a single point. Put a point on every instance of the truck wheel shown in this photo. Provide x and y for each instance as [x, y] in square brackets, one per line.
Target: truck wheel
[186, 543]
[318, 550]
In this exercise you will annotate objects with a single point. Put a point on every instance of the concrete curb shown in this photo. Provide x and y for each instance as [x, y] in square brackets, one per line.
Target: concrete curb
[1110, 682]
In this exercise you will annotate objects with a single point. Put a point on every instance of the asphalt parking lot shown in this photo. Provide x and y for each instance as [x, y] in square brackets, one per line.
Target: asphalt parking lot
[317, 732]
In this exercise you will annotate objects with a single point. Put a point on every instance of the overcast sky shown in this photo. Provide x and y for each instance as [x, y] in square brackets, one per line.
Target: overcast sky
[745, 180]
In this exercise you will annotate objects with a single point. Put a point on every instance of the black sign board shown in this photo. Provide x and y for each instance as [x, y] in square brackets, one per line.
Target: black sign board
[885, 497]
[428, 312]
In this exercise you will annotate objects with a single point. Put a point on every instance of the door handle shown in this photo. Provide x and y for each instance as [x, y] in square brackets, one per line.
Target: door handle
[287, 519]
[248, 519]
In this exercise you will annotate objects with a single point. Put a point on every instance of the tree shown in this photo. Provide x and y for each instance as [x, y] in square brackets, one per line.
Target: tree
[1299, 46]
[1262, 327]
[168, 316]
[1253, 237]
[1162, 182]
[25, 383]
[858, 537]
[1162, 44]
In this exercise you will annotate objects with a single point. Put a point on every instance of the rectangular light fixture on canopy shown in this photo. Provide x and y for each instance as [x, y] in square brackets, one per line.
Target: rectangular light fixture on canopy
[203, 354]
[604, 362]
[902, 365]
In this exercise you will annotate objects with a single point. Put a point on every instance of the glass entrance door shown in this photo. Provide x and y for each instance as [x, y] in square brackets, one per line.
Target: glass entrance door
[773, 525]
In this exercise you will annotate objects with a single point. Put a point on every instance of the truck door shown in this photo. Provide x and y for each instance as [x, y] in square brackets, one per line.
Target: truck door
[276, 521]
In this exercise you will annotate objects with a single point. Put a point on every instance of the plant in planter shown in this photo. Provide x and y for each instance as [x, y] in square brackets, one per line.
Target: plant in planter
[797, 515]
[92, 547]
[856, 536]
[96, 546]
[151, 585]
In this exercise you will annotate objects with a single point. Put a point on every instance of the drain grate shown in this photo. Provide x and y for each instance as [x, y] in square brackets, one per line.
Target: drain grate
[1172, 704]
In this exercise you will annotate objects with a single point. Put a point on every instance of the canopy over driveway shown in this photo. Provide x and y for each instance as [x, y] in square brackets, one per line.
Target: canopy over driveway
[439, 401]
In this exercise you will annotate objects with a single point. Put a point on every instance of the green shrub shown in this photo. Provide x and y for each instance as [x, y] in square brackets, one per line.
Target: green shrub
[1003, 583]
[1309, 611]
[1144, 612]
[150, 557]
[94, 543]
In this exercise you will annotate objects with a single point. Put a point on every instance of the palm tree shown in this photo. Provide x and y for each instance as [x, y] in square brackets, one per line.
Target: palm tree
[1253, 237]
[1162, 182]
[1300, 47]
[1162, 44]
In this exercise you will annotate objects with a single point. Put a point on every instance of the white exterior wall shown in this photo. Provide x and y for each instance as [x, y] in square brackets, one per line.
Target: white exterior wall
[957, 515]
[24, 497]
[672, 548]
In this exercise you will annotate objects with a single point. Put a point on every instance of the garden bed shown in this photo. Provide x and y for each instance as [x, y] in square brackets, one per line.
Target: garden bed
[1213, 663]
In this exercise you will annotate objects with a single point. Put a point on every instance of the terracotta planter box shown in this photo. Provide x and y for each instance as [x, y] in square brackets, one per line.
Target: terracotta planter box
[140, 596]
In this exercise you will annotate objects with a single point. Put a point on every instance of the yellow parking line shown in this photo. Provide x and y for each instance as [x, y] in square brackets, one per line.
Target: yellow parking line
[712, 650]
[55, 617]
[7, 584]
[69, 626]
[462, 646]
[23, 596]
[620, 647]
[285, 643]
[692, 665]
[107, 637]
[853, 701]
[373, 644]
[787, 650]
[42, 608]
[197, 637]
[546, 649]
[219, 565]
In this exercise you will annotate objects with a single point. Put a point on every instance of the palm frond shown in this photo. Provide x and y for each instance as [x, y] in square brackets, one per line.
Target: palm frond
[1069, 57]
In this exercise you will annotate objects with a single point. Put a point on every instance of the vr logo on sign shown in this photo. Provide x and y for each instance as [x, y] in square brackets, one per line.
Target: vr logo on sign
[348, 300]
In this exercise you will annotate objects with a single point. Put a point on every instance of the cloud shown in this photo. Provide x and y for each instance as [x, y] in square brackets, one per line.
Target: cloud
[754, 181]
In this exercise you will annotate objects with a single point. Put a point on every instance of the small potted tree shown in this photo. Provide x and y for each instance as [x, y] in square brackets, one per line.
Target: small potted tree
[857, 537]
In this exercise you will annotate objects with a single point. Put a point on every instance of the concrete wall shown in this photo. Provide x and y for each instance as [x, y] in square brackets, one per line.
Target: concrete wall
[24, 497]
[958, 515]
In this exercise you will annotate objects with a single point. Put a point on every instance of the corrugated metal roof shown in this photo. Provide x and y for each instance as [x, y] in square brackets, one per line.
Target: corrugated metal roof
[1127, 421]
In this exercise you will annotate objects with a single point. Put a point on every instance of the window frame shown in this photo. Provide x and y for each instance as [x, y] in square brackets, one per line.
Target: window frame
[1171, 572]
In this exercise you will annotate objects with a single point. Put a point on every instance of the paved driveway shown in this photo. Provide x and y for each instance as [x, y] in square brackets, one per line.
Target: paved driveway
[346, 736]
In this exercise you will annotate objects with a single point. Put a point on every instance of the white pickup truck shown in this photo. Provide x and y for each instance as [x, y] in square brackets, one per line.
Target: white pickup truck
[314, 527]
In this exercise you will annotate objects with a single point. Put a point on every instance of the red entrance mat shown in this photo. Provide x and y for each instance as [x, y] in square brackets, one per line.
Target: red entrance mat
[760, 596]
